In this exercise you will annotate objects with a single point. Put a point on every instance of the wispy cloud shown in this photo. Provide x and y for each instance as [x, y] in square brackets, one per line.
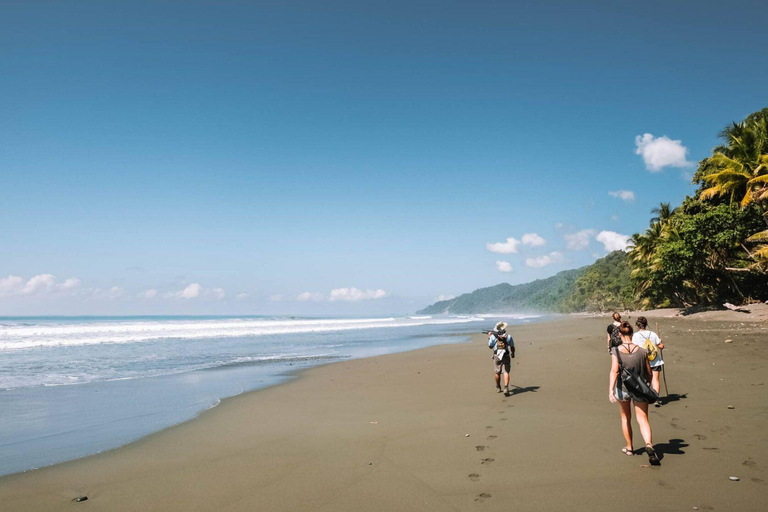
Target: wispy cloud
[310, 296]
[197, 291]
[107, 293]
[624, 195]
[578, 241]
[355, 295]
[660, 152]
[543, 261]
[503, 266]
[533, 240]
[613, 241]
[440, 298]
[148, 294]
[508, 247]
[41, 284]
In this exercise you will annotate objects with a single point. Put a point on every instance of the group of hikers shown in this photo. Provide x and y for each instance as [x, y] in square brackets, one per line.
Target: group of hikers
[634, 378]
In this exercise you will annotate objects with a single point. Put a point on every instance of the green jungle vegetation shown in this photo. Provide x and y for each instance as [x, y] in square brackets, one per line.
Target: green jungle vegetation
[711, 249]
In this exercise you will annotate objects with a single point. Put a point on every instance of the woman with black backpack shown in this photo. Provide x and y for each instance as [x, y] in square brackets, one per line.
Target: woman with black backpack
[633, 359]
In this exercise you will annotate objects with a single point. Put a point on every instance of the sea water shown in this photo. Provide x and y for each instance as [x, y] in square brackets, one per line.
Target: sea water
[71, 387]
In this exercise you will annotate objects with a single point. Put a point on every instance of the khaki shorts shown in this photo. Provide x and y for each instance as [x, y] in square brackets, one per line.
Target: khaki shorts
[500, 367]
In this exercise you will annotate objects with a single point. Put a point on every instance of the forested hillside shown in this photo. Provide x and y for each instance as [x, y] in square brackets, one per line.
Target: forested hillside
[604, 285]
[539, 295]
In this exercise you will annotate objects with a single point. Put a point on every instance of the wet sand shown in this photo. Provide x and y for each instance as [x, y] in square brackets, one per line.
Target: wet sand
[389, 433]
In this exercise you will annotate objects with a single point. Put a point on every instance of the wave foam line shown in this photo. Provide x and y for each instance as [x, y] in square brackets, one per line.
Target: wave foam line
[25, 337]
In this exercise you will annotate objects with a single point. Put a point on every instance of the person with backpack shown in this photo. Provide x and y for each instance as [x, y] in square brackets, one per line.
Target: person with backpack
[652, 344]
[614, 337]
[628, 357]
[503, 347]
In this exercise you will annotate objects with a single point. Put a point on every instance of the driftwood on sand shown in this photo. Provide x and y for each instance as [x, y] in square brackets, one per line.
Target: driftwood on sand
[740, 309]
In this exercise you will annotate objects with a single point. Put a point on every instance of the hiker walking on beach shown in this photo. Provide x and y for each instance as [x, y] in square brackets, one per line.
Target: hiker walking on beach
[614, 338]
[651, 342]
[634, 359]
[503, 347]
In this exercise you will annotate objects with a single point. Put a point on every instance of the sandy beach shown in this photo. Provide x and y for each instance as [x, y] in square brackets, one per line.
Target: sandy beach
[424, 430]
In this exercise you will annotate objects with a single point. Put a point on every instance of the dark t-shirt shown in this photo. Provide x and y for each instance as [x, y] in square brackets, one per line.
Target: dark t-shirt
[610, 328]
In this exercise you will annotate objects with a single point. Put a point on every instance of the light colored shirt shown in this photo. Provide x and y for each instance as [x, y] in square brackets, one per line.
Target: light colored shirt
[639, 339]
[492, 341]
[501, 352]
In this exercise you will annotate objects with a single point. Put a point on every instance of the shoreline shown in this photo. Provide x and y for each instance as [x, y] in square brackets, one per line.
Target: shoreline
[340, 435]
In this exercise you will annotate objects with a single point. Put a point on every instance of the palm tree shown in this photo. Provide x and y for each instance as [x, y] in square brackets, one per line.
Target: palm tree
[661, 214]
[738, 169]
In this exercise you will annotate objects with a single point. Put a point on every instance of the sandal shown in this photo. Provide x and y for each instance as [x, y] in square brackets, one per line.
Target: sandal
[652, 457]
[628, 451]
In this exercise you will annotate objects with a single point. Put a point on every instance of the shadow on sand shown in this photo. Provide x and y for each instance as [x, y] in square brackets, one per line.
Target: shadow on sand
[674, 397]
[673, 447]
[517, 389]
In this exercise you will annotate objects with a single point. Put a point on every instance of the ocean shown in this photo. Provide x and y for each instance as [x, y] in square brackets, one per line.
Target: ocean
[75, 386]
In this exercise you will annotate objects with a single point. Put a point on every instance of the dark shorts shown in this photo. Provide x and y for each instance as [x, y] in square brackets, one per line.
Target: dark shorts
[657, 368]
[502, 366]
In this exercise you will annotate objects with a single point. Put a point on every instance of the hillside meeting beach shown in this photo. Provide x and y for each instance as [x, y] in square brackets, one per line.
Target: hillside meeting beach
[424, 430]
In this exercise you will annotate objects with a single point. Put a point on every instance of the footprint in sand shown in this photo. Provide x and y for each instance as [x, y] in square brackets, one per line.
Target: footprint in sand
[482, 497]
[699, 437]
[757, 480]
[480, 448]
[749, 463]
[488, 427]
[474, 477]
[503, 419]
[487, 461]
[711, 448]
[492, 436]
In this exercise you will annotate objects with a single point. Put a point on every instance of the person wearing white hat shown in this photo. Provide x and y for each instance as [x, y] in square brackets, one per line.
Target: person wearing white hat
[503, 347]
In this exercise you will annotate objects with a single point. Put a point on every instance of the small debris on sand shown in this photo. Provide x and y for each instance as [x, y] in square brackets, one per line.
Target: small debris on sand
[734, 478]
[729, 341]
[731, 407]
[80, 498]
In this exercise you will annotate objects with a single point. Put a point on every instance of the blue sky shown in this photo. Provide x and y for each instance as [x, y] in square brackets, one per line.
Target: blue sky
[253, 157]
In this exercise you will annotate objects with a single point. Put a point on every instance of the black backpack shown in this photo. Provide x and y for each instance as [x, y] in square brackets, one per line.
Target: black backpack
[636, 386]
[615, 336]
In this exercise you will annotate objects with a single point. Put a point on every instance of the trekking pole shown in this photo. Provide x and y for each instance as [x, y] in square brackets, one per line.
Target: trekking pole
[663, 366]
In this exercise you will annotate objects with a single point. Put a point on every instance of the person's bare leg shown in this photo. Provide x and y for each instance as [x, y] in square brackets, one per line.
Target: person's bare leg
[506, 380]
[656, 382]
[641, 411]
[497, 376]
[626, 422]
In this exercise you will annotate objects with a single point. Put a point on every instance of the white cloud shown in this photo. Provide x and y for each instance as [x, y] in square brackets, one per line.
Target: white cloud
[192, 291]
[354, 295]
[543, 261]
[148, 294]
[614, 217]
[196, 291]
[660, 152]
[533, 239]
[624, 195]
[578, 241]
[242, 296]
[310, 296]
[508, 247]
[613, 241]
[278, 298]
[109, 294]
[503, 266]
[41, 284]
[444, 297]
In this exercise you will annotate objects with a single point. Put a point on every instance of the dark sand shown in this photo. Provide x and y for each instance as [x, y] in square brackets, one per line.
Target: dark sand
[388, 433]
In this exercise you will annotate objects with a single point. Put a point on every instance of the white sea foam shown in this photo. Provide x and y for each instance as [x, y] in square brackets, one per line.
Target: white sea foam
[15, 337]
